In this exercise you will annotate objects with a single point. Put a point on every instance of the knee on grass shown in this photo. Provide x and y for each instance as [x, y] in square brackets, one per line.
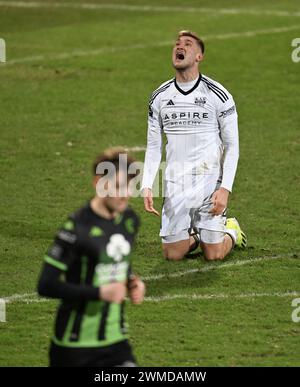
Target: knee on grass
[172, 254]
[214, 255]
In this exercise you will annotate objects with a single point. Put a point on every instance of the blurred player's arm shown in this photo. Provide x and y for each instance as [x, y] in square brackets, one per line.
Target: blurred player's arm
[152, 156]
[52, 285]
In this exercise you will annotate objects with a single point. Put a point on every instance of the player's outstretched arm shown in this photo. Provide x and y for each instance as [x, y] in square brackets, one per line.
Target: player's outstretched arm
[51, 285]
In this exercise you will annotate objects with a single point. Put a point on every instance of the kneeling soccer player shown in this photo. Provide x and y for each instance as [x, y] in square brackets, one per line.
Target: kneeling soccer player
[199, 119]
[88, 267]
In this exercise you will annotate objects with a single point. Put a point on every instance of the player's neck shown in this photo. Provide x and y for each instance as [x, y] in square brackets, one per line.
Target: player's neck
[188, 75]
[100, 209]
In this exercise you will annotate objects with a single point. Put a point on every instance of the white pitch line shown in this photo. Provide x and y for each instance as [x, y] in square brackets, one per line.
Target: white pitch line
[17, 297]
[171, 297]
[33, 297]
[249, 34]
[219, 296]
[83, 53]
[136, 149]
[32, 300]
[210, 267]
[108, 50]
[148, 8]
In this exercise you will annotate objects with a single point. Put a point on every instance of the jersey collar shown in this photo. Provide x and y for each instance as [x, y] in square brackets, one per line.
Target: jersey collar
[189, 91]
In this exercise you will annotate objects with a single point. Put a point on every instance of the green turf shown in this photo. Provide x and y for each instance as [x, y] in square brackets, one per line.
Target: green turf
[97, 99]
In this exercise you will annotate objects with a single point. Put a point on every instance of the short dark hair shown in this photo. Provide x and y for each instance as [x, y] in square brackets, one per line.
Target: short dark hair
[112, 155]
[194, 36]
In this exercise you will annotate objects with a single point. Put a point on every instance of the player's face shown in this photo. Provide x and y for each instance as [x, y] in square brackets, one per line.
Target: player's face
[117, 199]
[186, 53]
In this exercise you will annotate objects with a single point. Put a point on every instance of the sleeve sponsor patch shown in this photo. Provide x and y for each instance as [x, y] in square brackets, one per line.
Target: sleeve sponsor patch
[227, 112]
[55, 251]
[66, 236]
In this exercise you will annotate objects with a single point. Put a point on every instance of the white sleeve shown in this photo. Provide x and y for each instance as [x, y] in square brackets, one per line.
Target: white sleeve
[154, 145]
[228, 124]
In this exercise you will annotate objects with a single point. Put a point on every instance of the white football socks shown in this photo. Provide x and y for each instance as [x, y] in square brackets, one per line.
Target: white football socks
[233, 234]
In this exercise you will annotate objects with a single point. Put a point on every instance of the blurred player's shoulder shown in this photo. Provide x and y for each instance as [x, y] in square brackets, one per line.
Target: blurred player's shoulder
[129, 213]
[82, 213]
[81, 217]
[85, 215]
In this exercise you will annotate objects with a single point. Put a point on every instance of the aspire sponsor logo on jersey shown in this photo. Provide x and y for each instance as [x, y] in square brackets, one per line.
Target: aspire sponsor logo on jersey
[184, 118]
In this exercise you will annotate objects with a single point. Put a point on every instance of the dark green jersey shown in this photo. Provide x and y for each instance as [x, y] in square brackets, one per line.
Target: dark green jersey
[91, 251]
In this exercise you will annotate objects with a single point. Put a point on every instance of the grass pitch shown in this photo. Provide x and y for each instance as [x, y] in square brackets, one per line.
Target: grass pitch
[76, 81]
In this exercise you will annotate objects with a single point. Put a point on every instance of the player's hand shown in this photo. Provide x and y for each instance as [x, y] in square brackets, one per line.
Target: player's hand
[148, 201]
[219, 200]
[136, 289]
[114, 292]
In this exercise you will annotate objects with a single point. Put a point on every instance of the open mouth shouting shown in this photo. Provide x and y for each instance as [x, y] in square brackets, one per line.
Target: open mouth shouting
[180, 55]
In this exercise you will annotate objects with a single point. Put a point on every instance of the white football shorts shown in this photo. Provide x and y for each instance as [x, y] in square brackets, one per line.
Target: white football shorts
[186, 205]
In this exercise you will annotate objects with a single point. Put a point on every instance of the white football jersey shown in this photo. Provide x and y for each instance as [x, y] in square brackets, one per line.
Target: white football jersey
[201, 129]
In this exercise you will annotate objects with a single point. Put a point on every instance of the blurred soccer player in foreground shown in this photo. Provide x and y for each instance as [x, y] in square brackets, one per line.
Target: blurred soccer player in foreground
[199, 118]
[88, 267]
